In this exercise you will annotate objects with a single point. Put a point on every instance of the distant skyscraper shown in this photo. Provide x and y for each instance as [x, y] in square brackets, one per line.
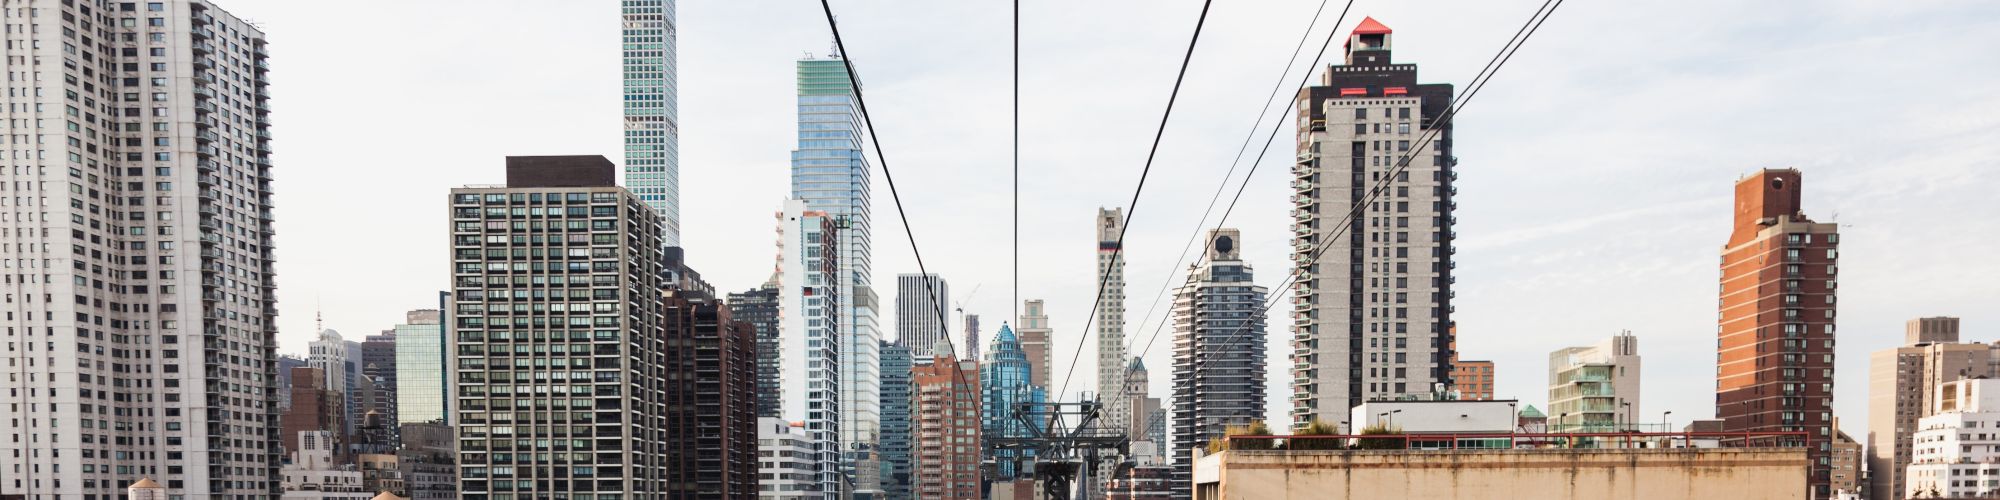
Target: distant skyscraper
[1774, 359]
[378, 365]
[830, 173]
[896, 457]
[1595, 388]
[1218, 349]
[946, 427]
[137, 233]
[1375, 309]
[1111, 320]
[759, 307]
[809, 309]
[1035, 335]
[1005, 382]
[921, 312]
[1902, 387]
[613, 243]
[1149, 421]
[421, 368]
[652, 110]
[971, 336]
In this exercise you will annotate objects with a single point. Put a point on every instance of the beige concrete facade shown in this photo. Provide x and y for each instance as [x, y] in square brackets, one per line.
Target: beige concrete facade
[1595, 474]
[1901, 387]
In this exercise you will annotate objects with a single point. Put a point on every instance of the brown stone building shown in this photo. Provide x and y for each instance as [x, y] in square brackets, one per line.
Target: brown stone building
[711, 394]
[1775, 331]
[314, 408]
[945, 427]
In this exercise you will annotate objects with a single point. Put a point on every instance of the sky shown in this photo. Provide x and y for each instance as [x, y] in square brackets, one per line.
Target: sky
[1595, 170]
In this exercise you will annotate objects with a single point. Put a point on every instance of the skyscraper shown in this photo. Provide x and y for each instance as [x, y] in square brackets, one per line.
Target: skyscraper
[590, 241]
[139, 231]
[1595, 388]
[652, 110]
[830, 174]
[1111, 319]
[378, 365]
[809, 243]
[1774, 336]
[1149, 422]
[1035, 335]
[971, 335]
[1218, 349]
[896, 458]
[1902, 387]
[946, 427]
[921, 305]
[329, 353]
[1006, 381]
[1371, 316]
[421, 368]
[759, 307]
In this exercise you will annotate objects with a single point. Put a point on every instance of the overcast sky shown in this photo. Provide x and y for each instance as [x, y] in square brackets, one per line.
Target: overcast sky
[1594, 180]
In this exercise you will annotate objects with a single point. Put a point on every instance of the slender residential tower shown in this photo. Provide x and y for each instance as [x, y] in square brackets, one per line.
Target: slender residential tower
[592, 241]
[1218, 350]
[1111, 319]
[1372, 316]
[652, 113]
[759, 307]
[136, 231]
[1035, 335]
[831, 175]
[1775, 333]
[809, 306]
[920, 312]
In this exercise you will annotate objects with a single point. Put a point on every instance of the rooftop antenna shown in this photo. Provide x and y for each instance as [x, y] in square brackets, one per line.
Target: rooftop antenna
[319, 316]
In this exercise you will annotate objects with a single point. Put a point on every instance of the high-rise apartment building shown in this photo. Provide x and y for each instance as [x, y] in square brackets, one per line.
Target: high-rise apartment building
[137, 230]
[809, 283]
[421, 368]
[652, 110]
[1775, 333]
[710, 382]
[831, 175]
[1371, 316]
[1111, 319]
[896, 457]
[921, 306]
[945, 427]
[1902, 388]
[1035, 335]
[1006, 382]
[557, 332]
[759, 308]
[1595, 388]
[1219, 359]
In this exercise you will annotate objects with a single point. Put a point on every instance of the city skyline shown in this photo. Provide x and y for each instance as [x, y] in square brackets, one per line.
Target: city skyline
[1518, 251]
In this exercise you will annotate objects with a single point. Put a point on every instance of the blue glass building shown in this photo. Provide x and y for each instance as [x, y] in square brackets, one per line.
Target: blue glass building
[1006, 380]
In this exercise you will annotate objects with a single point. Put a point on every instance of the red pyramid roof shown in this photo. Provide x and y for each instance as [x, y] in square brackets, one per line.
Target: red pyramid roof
[1369, 26]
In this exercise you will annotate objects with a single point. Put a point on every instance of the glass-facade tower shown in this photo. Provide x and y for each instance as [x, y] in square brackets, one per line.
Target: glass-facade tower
[420, 369]
[652, 116]
[1008, 381]
[830, 174]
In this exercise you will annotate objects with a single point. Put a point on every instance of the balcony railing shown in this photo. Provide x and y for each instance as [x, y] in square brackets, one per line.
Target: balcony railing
[1492, 441]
